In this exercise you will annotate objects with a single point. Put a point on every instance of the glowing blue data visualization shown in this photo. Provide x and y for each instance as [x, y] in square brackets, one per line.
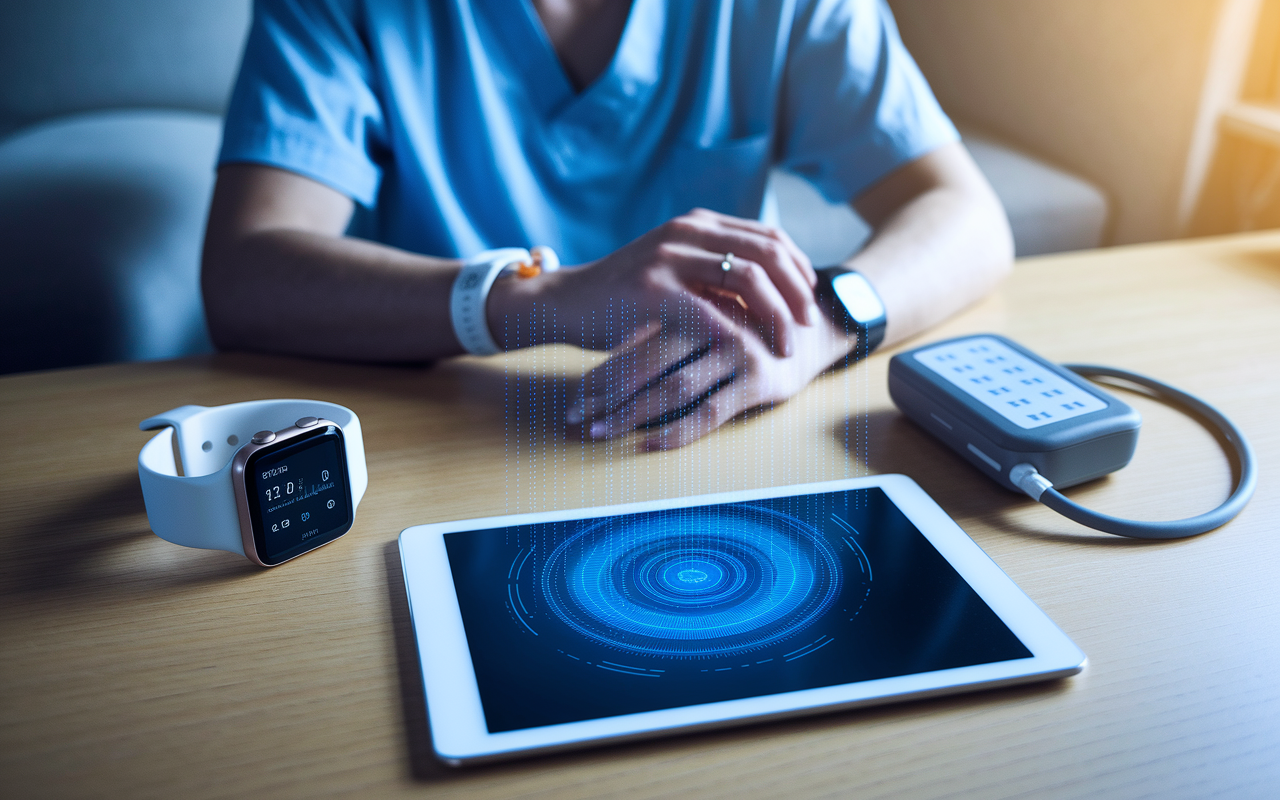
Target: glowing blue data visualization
[693, 582]
[583, 619]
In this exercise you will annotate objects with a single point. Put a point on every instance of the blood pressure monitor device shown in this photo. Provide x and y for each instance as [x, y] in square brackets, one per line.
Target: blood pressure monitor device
[578, 627]
[268, 479]
[853, 304]
[1034, 427]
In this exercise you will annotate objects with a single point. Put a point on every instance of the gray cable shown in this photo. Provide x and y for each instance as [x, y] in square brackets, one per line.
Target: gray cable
[1038, 487]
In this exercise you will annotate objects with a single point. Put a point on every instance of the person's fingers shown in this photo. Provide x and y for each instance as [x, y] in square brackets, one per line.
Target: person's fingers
[745, 278]
[639, 334]
[593, 385]
[673, 396]
[611, 384]
[770, 231]
[773, 232]
[752, 371]
[750, 281]
[715, 234]
[709, 415]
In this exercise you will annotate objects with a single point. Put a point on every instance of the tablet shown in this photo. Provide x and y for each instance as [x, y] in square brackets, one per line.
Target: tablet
[572, 628]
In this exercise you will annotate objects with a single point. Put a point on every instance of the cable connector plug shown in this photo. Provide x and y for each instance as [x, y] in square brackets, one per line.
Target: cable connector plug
[1025, 477]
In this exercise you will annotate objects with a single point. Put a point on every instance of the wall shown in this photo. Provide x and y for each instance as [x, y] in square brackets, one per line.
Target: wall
[63, 56]
[1108, 89]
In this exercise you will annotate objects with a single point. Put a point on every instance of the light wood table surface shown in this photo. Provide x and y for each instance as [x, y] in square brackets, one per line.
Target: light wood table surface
[130, 667]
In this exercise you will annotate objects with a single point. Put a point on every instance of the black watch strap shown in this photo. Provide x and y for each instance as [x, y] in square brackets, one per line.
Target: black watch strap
[854, 305]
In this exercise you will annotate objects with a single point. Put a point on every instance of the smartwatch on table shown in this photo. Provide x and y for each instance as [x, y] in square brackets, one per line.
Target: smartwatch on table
[853, 303]
[268, 479]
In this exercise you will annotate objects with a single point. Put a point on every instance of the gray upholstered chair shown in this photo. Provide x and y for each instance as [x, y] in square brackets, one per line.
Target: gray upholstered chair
[109, 126]
[1049, 210]
[112, 113]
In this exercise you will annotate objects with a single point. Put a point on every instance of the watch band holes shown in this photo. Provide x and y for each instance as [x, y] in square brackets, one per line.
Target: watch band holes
[233, 440]
[207, 446]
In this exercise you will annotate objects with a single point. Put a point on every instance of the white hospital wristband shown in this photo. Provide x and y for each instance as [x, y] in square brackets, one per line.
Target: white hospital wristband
[471, 291]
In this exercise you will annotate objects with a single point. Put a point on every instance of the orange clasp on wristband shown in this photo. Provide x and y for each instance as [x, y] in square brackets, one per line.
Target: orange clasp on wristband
[541, 259]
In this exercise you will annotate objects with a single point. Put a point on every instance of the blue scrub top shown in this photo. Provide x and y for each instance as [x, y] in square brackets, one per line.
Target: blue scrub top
[453, 123]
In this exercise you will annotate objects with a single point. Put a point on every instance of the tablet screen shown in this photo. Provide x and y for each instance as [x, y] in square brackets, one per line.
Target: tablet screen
[585, 619]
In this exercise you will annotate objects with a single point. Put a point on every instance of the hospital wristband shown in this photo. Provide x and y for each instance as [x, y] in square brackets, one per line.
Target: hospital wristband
[471, 291]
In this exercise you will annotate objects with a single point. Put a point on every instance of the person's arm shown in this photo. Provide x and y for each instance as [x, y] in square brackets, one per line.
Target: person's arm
[941, 242]
[279, 276]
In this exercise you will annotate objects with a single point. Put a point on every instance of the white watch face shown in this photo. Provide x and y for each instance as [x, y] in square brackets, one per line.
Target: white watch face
[859, 299]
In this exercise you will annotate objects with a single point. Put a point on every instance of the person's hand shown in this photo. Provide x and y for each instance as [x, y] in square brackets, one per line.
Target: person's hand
[673, 275]
[678, 385]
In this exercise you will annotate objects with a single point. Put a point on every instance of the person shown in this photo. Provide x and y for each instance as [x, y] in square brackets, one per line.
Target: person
[371, 147]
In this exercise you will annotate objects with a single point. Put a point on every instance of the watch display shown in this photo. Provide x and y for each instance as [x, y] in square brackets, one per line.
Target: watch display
[854, 305]
[265, 479]
[299, 494]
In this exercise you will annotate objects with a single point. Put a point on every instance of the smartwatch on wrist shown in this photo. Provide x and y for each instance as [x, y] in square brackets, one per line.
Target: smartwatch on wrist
[268, 479]
[852, 302]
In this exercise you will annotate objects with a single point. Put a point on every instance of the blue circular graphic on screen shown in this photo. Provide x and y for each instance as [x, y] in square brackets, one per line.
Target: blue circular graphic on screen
[692, 582]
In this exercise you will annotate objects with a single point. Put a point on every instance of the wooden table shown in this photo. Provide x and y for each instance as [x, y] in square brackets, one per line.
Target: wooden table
[132, 667]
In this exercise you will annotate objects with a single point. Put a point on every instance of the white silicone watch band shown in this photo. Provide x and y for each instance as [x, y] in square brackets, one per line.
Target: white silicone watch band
[471, 290]
[198, 509]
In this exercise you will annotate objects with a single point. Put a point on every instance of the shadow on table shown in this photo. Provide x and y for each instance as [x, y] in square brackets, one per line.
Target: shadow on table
[98, 541]
[524, 400]
[886, 441]
[1262, 262]
[425, 767]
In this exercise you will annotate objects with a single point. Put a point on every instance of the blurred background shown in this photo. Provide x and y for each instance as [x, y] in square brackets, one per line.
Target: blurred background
[1099, 123]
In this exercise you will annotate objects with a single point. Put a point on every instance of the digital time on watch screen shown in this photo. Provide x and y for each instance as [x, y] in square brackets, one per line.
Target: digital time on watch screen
[299, 495]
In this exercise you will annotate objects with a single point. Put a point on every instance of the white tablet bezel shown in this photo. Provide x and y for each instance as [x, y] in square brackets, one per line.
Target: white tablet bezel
[458, 730]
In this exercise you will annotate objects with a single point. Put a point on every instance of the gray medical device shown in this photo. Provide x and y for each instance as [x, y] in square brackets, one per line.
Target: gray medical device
[1031, 425]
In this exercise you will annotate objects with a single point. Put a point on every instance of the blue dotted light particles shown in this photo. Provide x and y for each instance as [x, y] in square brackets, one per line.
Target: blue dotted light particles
[693, 582]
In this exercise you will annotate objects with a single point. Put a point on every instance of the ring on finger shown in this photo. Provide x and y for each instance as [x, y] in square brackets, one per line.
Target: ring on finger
[726, 264]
